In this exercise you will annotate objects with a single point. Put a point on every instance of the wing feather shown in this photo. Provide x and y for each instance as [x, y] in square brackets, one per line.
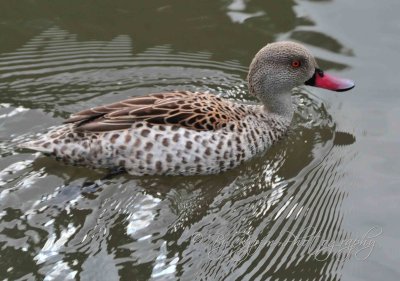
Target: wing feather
[197, 111]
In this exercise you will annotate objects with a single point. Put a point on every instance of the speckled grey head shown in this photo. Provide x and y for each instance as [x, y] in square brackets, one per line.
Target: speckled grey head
[279, 67]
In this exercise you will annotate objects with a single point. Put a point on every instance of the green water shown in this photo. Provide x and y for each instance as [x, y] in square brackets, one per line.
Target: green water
[320, 205]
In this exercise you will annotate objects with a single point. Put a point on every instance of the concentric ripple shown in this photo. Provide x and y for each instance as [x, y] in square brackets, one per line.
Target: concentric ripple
[57, 69]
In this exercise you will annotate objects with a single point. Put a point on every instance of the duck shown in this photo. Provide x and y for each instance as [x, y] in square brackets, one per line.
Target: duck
[190, 133]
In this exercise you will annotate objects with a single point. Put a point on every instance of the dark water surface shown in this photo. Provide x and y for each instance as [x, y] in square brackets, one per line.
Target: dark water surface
[323, 204]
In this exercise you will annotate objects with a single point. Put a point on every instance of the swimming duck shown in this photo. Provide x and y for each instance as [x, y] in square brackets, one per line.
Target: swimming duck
[189, 133]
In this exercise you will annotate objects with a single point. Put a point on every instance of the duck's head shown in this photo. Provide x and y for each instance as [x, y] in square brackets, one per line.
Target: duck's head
[279, 67]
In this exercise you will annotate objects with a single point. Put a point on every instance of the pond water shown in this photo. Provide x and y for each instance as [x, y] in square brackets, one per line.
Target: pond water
[322, 204]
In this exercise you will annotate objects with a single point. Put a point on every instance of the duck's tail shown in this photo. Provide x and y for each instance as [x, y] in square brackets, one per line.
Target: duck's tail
[45, 143]
[37, 145]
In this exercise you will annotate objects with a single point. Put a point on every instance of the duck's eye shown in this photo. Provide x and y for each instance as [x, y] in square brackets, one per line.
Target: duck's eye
[296, 63]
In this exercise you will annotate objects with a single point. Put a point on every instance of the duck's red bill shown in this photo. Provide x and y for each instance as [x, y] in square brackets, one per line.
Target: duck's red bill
[329, 82]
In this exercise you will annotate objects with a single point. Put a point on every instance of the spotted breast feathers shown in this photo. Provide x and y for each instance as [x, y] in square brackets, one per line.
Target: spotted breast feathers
[197, 111]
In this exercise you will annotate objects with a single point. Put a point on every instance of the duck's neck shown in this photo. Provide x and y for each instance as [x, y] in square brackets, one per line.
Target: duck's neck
[280, 104]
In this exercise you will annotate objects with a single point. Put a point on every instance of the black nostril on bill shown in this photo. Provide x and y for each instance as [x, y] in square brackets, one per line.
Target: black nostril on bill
[320, 72]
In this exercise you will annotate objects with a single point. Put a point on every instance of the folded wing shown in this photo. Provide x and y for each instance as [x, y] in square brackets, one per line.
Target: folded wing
[197, 111]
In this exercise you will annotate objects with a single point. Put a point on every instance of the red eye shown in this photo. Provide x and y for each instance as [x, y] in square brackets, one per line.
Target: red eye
[296, 63]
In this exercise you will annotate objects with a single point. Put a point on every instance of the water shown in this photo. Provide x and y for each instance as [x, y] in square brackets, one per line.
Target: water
[320, 205]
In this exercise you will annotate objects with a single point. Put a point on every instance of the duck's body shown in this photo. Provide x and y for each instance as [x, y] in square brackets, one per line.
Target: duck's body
[185, 133]
[178, 133]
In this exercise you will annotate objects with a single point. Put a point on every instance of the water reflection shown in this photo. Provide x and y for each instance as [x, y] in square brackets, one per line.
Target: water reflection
[250, 222]
[237, 12]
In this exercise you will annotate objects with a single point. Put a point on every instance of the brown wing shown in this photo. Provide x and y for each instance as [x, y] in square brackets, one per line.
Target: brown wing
[197, 111]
